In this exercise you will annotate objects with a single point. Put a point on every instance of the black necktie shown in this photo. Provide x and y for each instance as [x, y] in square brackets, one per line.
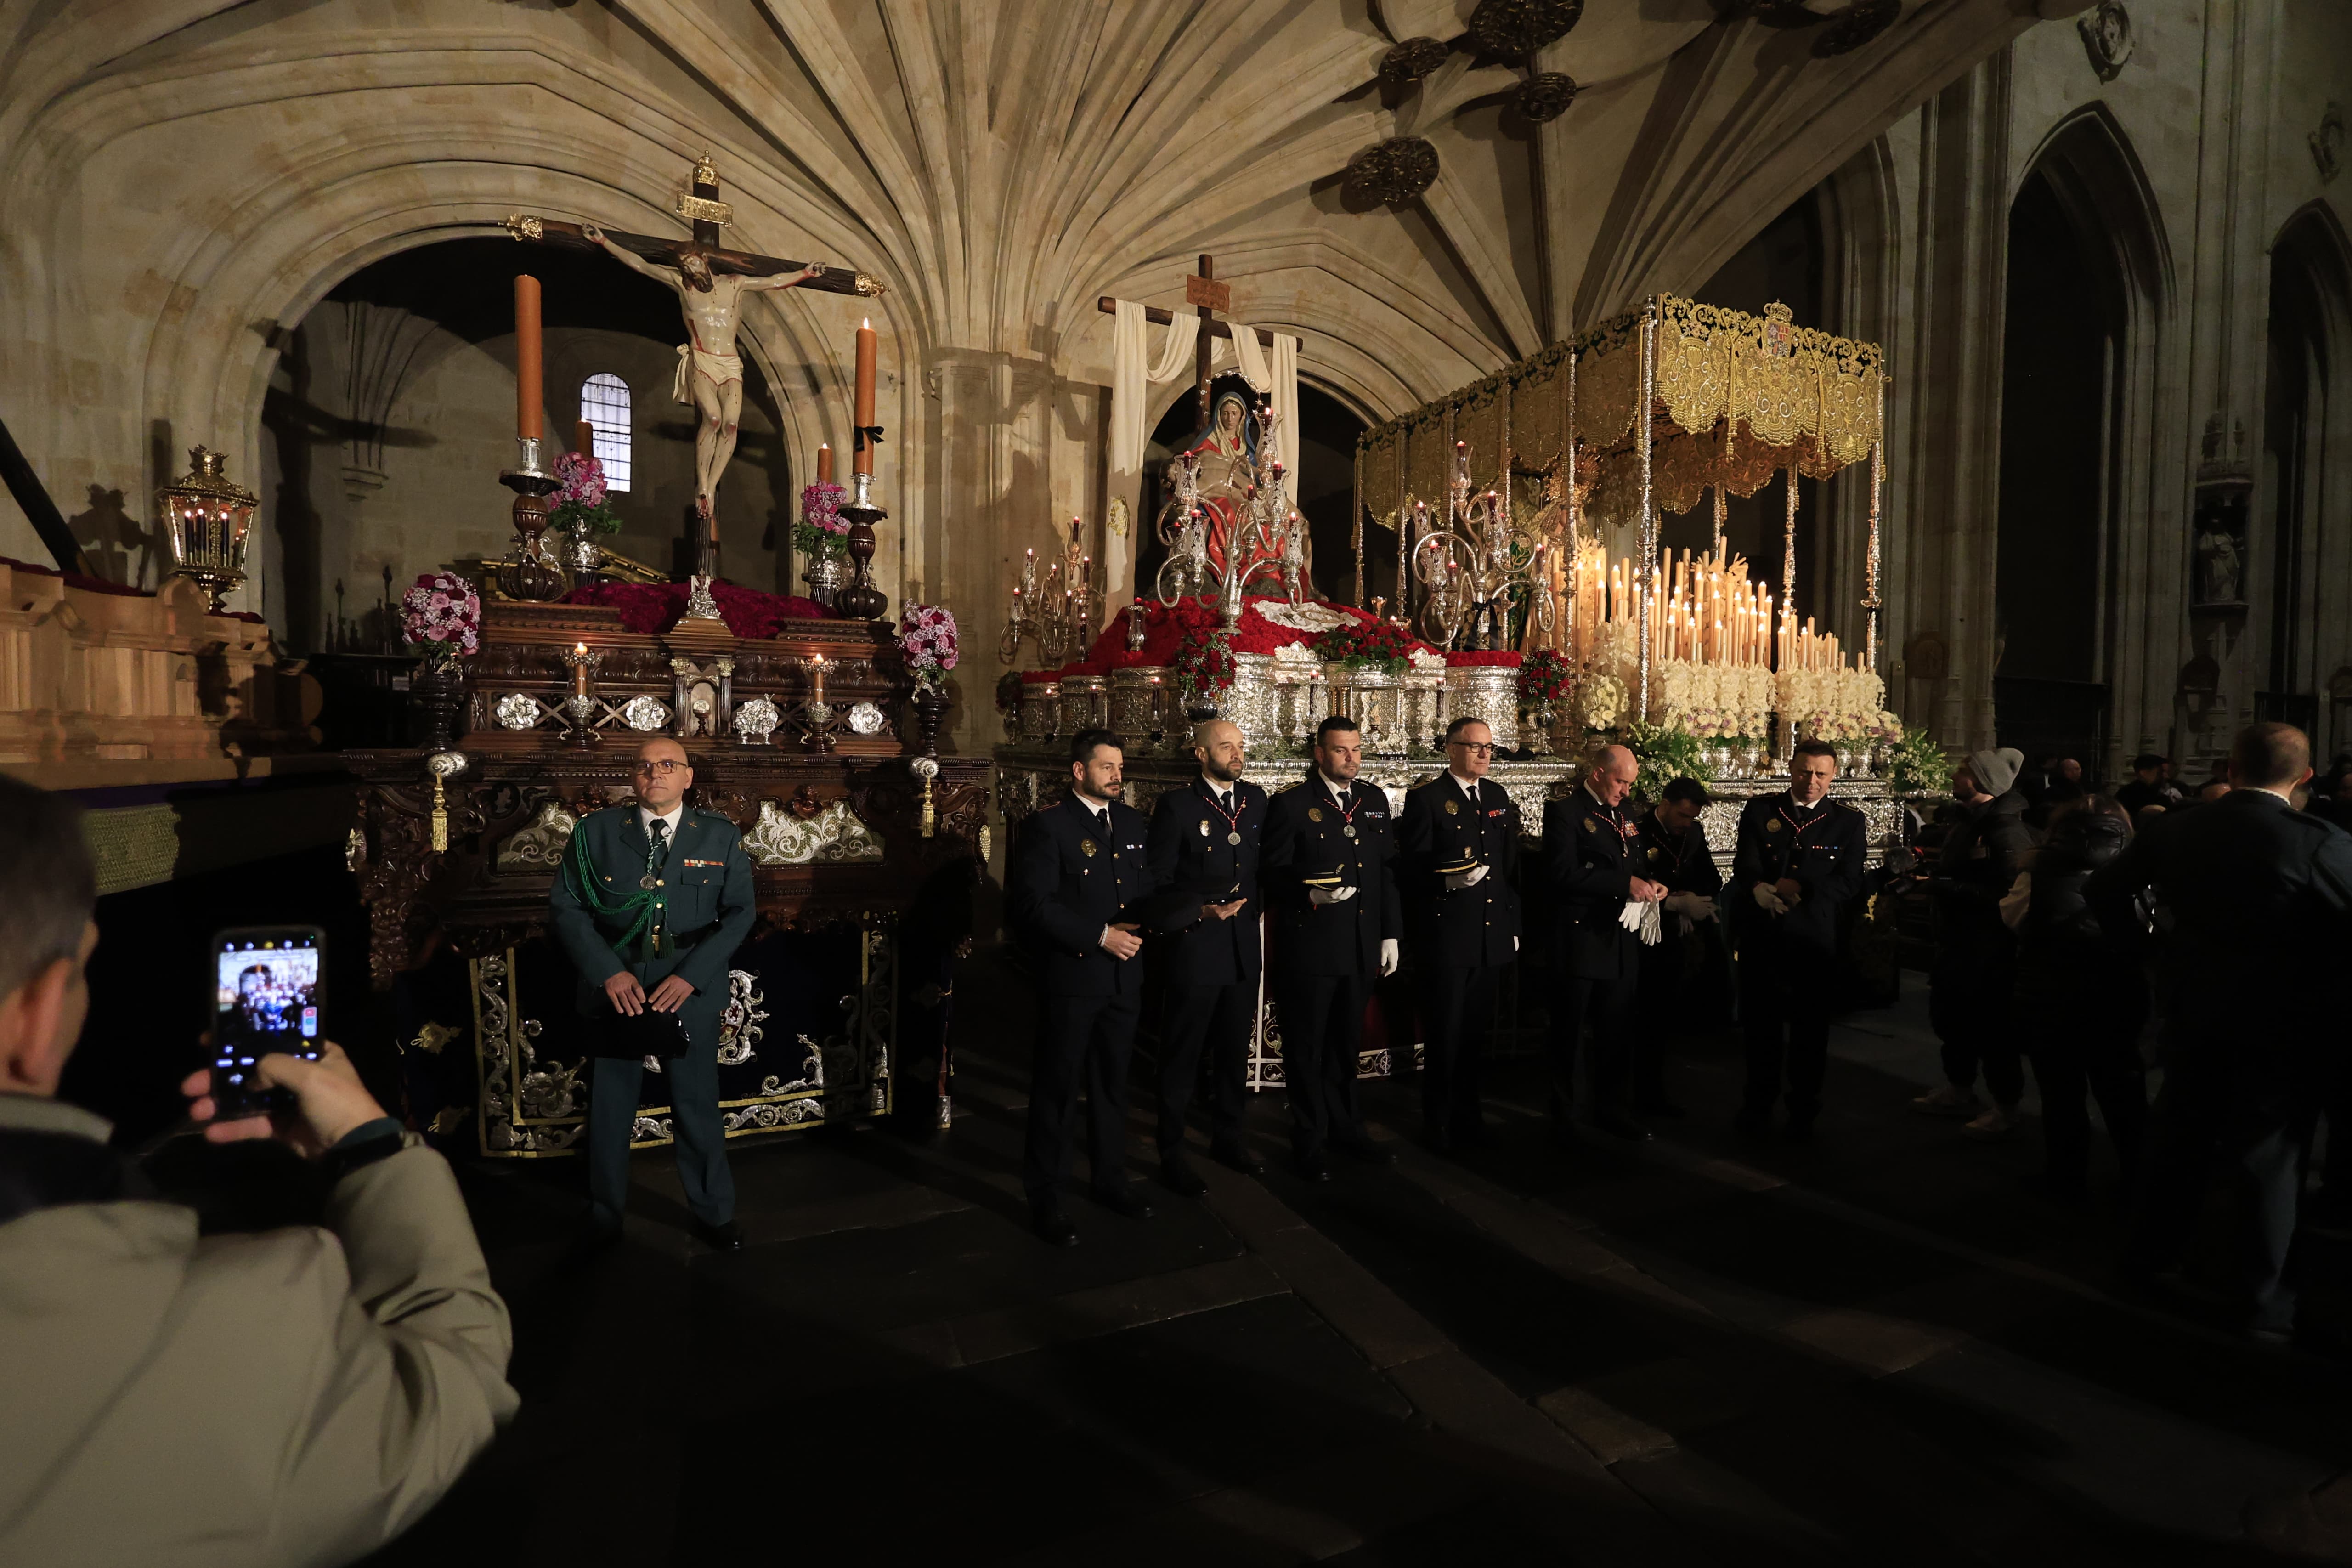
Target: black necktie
[1225, 803]
[658, 846]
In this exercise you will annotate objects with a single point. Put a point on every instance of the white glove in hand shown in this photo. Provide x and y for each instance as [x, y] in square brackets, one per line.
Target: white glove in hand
[1652, 927]
[1387, 955]
[1769, 900]
[1330, 895]
[1630, 917]
[1461, 879]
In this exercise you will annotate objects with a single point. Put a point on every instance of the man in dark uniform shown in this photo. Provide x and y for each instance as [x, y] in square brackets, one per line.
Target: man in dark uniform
[1800, 860]
[1203, 849]
[1672, 853]
[1592, 865]
[1079, 879]
[1458, 843]
[650, 904]
[1327, 864]
[2260, 900]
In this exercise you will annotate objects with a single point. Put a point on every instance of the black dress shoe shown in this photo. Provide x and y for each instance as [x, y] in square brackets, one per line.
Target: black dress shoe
[1179, 1178]
[1314, 1167]
[1121, 1200]
[1234, 1157]
[1619, 1125]
[1364, 1151]
[1054, 1227]
[726, 1238]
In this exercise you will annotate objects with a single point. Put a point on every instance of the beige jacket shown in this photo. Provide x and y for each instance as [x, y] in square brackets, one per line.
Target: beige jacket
[295, 1396]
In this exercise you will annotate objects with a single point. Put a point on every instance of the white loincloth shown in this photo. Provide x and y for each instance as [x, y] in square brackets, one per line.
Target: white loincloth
[716, 369]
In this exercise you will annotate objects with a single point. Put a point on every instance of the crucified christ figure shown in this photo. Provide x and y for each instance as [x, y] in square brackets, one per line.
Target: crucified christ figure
[709, 371]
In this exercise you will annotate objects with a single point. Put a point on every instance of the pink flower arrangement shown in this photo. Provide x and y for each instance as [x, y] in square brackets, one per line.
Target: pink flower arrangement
[579, 499]
[443, 615]
[820, 532]
[926, 637]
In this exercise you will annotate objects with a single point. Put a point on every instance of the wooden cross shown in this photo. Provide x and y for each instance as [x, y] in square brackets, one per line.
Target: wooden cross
[1201, 289]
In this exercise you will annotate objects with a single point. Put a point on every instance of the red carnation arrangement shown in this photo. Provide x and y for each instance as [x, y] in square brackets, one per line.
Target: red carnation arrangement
[1366, 645]
[1543, 679]
[1469, 658]
[442, 615]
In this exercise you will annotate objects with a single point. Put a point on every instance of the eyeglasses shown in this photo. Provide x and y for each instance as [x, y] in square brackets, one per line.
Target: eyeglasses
[1475, 748]
[664, 766]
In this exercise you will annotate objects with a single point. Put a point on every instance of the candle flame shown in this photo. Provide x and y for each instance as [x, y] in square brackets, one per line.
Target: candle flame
[579, 648]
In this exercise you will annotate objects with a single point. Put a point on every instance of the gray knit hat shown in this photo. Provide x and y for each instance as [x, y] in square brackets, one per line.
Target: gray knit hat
[1995, 771]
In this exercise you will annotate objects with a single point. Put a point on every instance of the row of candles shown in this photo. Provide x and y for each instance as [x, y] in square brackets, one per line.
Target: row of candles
[1704, 610]
[529, 394]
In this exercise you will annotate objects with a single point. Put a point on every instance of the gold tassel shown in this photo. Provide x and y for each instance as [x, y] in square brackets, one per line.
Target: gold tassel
[440, 817]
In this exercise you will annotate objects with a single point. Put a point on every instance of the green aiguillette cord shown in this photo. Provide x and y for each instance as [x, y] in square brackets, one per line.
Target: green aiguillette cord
[581, 869]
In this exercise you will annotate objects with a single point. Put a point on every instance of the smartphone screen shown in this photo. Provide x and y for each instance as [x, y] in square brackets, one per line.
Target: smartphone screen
[266, 997]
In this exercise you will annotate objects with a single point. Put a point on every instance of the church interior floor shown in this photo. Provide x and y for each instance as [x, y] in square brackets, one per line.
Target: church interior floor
[1875, 1348]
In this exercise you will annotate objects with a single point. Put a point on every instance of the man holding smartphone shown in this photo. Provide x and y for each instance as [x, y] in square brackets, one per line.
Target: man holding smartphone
[651, 903]
[299, 1395]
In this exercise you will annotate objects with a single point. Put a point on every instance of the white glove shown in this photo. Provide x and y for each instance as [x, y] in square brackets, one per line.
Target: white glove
[1515, 944]
[1461, 879]
[1630, 917]
[1387, 955]
[1769, 899]
[1330, 895]
[1652, 927]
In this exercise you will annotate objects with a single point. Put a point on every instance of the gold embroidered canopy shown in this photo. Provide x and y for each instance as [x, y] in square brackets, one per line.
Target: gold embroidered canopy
[1734, 400]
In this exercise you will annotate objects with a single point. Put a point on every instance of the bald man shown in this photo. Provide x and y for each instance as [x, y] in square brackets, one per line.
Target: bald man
[650, 904]
[1202, 850]
[1593, 865]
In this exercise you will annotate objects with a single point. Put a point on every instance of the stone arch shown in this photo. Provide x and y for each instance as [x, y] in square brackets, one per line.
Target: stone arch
[2300, 598]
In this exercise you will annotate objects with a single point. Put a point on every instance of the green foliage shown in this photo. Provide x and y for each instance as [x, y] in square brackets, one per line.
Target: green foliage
[1918, 765]
[1665, 754]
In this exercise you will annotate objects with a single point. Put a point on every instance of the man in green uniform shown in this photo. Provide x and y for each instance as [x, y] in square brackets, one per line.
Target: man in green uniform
[651, 902]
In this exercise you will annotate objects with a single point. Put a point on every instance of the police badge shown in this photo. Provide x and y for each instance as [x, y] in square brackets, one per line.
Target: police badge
[1453, 808]
[1314, 814]
[1086, 847]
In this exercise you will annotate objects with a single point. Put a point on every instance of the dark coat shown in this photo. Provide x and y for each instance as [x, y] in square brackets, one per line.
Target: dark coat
[1069, 880]
[2259, 896]
[1591, 854]
[1464, 928]
[1825, 859]
[1192, 864]
[1680, 860]
[2067, 962]
[1977, 864]
[1304, 838]
[707, 908]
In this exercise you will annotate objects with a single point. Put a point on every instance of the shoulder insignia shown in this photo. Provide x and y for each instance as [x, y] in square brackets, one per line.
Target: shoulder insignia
[1086, 847]
[1314, 814]
[1453, 808]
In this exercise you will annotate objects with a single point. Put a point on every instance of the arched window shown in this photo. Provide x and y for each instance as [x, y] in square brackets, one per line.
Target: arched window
[605, 404]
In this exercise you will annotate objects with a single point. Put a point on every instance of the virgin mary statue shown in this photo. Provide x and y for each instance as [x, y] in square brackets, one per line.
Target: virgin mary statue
[1227, 450]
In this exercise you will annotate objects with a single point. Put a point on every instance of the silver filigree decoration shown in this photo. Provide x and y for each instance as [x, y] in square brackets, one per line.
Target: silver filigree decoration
[756, 720]
[1309, 616]
[866, 718]
[739, 1024]
[832, 837]
[539, 845]
[646, 713]
[518, 711]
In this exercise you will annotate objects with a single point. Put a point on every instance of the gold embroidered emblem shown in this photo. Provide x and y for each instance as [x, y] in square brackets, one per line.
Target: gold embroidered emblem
[1590, 826]
[1314, 814]
[1086, 847]
[1658, 854]
[1205, 827]
[1453, 808]
[1773, 825]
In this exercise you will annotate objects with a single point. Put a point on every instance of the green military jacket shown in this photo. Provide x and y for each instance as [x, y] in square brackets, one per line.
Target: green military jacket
[703, 905]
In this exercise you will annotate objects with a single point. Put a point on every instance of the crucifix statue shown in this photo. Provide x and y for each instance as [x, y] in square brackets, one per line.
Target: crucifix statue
[711, 282]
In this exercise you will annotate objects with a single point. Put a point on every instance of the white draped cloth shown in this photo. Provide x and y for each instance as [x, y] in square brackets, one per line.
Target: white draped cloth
[1131, 367]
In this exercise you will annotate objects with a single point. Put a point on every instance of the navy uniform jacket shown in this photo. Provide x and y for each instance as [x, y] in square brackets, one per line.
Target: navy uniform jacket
[1591, 855]
[1680, 860]
[1823, 856]
[1070, 879]
[707, 908]
[2260, 896]
[1192, 864]
[1463, 928]
[1304, 838]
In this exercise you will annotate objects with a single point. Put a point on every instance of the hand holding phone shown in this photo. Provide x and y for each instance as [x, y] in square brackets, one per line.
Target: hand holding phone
[268, 996]
[326, 1097]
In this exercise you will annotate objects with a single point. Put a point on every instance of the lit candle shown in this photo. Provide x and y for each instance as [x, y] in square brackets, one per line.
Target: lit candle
[580, 669]
[527, 398]
[823, 464]
[864, 402]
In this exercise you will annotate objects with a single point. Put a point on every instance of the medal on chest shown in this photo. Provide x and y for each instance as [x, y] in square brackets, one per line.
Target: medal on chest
[1233, 820]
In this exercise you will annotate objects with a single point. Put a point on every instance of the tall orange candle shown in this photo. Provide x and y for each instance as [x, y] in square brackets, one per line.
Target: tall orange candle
[527, 397]
[823, 464]
[584, 439]
[863, 417]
